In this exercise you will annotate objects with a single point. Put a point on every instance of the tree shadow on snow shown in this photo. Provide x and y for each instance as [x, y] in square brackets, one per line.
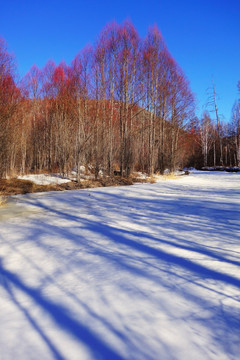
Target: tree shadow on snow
[153, 259]
[61, 316]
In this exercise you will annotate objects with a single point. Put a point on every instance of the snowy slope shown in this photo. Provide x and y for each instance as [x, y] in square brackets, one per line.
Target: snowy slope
[150, 271]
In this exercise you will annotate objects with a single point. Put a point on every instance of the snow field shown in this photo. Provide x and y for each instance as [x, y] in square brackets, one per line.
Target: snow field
[145, 272]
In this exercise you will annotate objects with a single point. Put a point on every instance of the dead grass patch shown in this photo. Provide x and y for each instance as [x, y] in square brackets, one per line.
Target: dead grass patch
[169, 176]
[3, 200]
[19, 186]
[152, 179]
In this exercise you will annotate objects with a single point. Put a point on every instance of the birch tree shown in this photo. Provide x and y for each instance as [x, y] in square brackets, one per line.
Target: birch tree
[236, 130]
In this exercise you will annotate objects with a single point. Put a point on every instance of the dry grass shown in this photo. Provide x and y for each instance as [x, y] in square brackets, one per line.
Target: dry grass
[169, 176]
[3, 200]
[18, 186]
[152, 179]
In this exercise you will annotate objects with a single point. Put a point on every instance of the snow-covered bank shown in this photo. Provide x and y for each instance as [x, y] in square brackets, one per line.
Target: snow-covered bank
[44, 179]
[150, 271]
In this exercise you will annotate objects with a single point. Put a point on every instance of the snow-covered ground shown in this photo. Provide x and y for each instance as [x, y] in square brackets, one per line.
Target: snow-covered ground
[44, 179]
[149, 271]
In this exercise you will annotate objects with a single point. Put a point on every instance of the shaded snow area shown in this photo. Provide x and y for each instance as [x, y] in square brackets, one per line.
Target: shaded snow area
[144, 272]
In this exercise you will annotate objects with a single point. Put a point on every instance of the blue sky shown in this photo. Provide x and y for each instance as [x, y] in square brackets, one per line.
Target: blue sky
[202, 35]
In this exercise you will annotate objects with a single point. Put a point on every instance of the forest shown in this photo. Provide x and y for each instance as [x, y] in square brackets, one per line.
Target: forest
[122, 105]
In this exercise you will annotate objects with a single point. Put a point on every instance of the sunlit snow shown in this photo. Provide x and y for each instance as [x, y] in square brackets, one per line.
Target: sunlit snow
[44, 179]
[149, 271]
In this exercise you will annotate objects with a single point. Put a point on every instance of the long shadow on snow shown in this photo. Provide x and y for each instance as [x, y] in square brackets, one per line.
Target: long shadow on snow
[230, 318]
[47, 279]
[120, 236]
[63, 318]
[7, 285]
[159, 207]
[214, 216]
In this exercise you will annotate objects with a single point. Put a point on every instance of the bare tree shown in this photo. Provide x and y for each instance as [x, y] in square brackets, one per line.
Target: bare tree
[212, 102]
[9, 98]
[236, 130]
[206, 136]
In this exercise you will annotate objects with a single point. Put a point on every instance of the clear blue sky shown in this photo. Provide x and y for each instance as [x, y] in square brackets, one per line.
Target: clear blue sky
[202, 35]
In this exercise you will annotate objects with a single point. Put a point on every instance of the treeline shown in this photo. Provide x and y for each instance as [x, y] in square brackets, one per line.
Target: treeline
[123, 104]
[214, 143]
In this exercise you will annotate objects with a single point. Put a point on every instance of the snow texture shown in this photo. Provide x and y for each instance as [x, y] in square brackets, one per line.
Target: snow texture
[44, 179]
[145, 272]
